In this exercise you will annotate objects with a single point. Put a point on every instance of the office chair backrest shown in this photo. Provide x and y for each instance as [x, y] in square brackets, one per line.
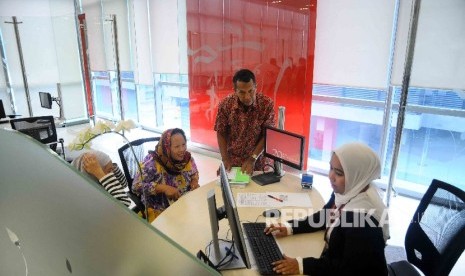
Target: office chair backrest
[141, 148]
[2, 110]
[435, 238]
[40, 128]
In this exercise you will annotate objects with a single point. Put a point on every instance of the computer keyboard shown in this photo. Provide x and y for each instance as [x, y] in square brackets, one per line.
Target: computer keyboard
[266, 178]
[264, 247]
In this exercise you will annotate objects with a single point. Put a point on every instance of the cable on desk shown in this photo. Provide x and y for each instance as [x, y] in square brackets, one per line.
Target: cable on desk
[230, 252]
[224, 261]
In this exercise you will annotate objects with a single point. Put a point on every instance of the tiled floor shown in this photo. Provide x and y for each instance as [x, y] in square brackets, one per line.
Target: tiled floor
[400, 213]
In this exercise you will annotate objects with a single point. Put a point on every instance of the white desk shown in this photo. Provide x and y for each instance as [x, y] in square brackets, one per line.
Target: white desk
[187, 221]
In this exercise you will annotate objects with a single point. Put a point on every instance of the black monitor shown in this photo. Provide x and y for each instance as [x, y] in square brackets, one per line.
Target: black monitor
[45, 100]
[283, 147]
[2, 110]
[225, 254]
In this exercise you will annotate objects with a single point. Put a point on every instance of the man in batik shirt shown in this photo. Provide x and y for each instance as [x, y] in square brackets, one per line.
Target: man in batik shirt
[242, 117]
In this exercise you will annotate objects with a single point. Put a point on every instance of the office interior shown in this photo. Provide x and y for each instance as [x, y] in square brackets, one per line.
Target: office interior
[339, 67]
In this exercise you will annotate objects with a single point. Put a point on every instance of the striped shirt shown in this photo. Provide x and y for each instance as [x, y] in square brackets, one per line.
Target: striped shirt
[115, 184]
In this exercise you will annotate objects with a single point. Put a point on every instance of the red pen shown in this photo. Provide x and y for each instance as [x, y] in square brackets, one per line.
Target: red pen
[278, 199]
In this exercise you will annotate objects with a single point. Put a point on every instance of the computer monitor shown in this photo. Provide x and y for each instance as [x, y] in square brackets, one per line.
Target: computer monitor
[50, 222]
[45, 100]
[226, 255]
[284, 147]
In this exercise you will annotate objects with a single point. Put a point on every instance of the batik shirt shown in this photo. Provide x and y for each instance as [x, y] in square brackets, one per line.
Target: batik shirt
[243, 126]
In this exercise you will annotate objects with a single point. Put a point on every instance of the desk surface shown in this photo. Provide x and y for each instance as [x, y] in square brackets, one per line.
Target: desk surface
[188, 223]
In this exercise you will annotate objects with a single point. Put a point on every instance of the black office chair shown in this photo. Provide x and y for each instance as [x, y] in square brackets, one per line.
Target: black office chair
[42, 129]
[435, 238]
[2, 110]
[4, 115]
[130, 165]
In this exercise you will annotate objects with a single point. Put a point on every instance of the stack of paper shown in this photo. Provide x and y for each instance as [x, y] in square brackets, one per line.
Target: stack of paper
[273, 200]
[237, 177]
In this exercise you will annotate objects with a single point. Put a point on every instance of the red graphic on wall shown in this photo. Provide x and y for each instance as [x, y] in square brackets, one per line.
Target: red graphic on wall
[276, 42]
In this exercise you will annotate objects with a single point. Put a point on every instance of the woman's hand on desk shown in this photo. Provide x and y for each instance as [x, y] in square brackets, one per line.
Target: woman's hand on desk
[194, 182]
[286, 266]
[170, 192]
[194, 186]
[276, 229]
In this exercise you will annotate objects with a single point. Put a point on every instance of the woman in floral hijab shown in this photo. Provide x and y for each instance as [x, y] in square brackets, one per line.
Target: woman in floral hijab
[167, 173]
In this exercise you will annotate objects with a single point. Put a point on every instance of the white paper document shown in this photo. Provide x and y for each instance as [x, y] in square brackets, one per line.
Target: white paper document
[273, 199]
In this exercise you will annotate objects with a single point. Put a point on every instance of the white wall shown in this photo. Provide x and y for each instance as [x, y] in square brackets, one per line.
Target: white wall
[165, 36]
[182, 33]
[100, 34]
[24, 7]
[93, 11]
[120, 10]
[439, 57]
[352, 42]
[140, 39]
[353, 37]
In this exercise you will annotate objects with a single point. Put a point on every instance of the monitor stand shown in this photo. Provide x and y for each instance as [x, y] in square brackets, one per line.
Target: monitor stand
[225, 255]
[60, 122]
[278, 169]
[270, 177]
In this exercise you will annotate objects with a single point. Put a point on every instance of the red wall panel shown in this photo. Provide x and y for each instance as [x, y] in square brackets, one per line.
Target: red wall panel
[275, 41]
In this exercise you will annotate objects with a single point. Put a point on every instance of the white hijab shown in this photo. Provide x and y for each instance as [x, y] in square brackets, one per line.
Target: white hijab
[361, 166]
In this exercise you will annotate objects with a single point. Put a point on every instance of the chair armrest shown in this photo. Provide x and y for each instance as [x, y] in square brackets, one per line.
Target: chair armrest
[61, 142]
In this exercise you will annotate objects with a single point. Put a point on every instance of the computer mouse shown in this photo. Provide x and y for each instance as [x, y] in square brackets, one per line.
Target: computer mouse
[272, 213]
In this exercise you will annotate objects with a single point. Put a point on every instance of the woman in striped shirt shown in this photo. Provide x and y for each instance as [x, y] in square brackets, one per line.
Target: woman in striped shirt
[99, 167]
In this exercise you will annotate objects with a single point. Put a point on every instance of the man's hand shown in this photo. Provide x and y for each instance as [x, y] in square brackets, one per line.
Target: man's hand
[227, 165]
[248, 166]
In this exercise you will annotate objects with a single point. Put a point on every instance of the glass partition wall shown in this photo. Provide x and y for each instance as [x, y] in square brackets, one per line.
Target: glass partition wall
[434, 145]
[358, 80]
[46, 60]
[110, 63]
[130, 66]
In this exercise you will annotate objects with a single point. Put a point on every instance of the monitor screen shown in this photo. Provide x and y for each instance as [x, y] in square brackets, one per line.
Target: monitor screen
[222, 258]
[2, 110]
[49, 221]
[284, 146]
[45, 100]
